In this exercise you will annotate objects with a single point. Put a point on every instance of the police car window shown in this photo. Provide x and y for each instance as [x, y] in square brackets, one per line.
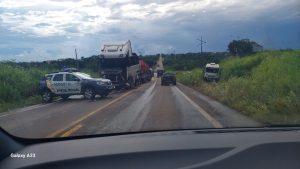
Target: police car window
[70, 77]
[58, 77]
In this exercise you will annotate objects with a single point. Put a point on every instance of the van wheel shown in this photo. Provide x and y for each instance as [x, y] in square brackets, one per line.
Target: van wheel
[89, 93]
[47, 96]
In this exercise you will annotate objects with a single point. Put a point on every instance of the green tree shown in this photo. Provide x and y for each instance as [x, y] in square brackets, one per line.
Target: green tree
[241, 47]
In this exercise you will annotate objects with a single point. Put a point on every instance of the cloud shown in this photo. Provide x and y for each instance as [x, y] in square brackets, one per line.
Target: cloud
[152, 26]
[95, 16]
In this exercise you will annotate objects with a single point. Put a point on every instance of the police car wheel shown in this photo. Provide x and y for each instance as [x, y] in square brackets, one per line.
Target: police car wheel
[104, 94]
[89, 93]
[47, 96]
[64, 97]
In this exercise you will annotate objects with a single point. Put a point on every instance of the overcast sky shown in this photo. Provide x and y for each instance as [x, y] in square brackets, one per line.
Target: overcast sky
[36, 30]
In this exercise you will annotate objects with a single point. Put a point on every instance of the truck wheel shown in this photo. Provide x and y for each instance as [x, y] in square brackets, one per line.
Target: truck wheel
[64, 97]
[137, 83]
[131, 83]
[89, 93]
[104, 94]
[174, 83]
[47, 96]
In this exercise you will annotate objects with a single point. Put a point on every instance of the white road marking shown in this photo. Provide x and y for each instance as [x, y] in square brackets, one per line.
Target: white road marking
[20, 110]
[212, 120]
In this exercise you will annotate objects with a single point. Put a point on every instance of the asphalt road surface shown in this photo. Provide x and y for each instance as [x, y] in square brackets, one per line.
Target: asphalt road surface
[148, 107]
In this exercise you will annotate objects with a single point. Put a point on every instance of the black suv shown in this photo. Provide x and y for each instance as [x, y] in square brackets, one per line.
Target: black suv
[168, 78]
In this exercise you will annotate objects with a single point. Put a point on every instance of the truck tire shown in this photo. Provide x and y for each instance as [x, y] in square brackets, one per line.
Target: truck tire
[47, 96]
[89, 93]
[131, 83]
[137, 82]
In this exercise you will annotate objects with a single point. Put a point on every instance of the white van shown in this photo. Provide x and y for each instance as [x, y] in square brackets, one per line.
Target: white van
[211, 72]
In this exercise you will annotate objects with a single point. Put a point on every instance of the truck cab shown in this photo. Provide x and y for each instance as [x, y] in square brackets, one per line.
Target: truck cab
[211, 72]
[120, 64]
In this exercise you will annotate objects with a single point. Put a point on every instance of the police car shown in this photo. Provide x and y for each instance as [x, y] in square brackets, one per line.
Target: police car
[65, 84]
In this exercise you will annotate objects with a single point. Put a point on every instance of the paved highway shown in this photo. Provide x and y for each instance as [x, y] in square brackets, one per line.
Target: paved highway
[148, 107]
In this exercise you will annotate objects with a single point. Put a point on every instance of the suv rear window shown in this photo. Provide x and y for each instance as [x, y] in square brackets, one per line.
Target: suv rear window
[58, 77]
[70, 77]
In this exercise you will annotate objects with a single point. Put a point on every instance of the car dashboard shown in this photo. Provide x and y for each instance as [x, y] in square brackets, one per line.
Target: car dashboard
[260, 148]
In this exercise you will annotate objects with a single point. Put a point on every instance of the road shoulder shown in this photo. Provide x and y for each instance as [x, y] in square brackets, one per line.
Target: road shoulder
[224, 114]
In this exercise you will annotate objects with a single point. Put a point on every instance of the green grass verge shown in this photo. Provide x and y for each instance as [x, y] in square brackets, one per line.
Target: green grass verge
[19, 85]
[7, 106]
[264, 86]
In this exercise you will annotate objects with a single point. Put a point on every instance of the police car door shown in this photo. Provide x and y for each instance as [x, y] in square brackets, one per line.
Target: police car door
[59, 84]
[73, 84]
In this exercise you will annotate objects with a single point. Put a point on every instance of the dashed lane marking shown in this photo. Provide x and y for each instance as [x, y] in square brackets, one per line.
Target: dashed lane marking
[58, 132]
[72, 130]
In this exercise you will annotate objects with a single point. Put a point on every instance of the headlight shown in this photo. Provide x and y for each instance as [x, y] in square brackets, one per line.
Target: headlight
[121, 55]
[100, 83]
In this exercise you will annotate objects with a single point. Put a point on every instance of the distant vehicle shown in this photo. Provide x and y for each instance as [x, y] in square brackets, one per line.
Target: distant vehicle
[211, 72]
[65, 84]
[168, 78]
[119, 64]
[145, 72]
[160, 67]
[160, 72]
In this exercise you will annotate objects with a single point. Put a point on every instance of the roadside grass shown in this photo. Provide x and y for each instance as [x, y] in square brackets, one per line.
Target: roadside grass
[32, 100]
[19, 85]
[264, 86]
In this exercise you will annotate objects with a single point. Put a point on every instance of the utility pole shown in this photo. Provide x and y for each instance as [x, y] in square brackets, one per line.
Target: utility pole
[76, 59]
[201, 43]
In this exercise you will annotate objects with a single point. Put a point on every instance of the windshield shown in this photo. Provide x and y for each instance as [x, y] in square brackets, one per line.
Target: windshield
[83, 75]
[212, 70]
[166, 65]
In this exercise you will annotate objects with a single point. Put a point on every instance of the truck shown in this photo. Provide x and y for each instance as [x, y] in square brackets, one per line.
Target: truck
[160, 72]
[211, 72]
[145, 73]
[159, 67]
[119, 64]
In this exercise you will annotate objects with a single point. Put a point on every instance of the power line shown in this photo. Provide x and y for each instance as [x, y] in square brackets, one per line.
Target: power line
[76, 59]
[201, 43]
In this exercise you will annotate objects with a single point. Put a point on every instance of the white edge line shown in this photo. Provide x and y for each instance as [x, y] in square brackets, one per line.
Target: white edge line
[212, 120]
